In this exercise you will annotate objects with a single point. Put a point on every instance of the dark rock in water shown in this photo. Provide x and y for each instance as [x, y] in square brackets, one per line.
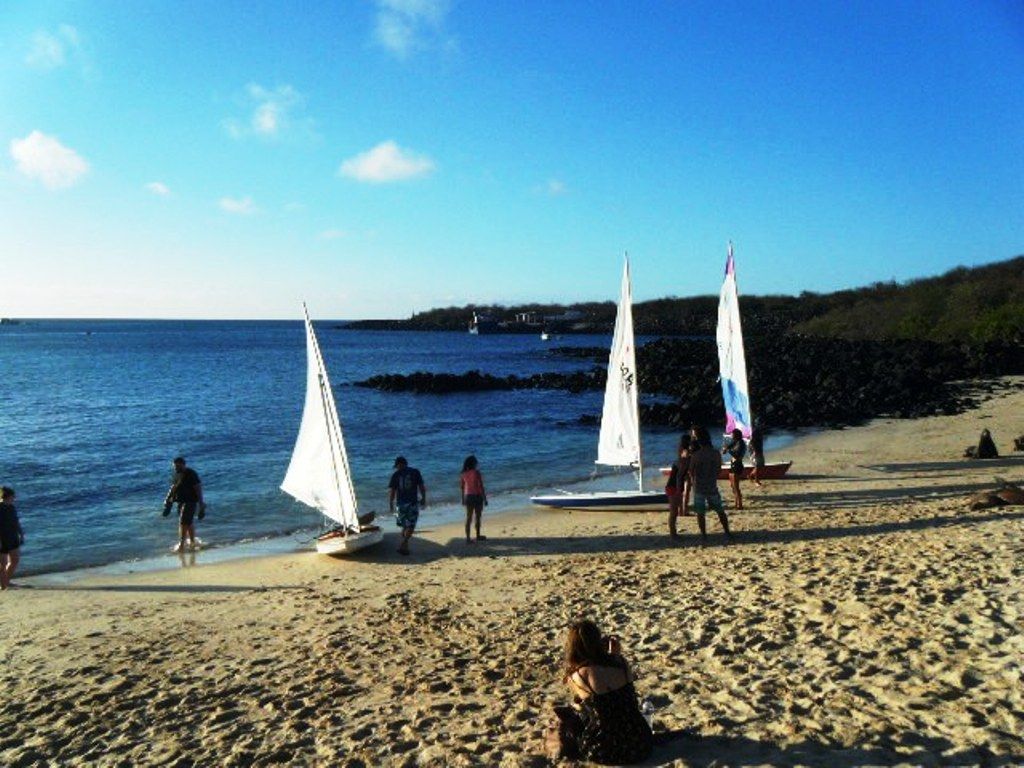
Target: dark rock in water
[474, 381]
[588, 353]
[795, 381]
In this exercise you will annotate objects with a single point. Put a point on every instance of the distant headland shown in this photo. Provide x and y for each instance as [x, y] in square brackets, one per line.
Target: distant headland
[964, 305]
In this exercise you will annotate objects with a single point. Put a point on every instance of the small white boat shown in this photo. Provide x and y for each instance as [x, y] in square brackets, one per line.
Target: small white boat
[618, 444]
[319, 474]
[544, 336]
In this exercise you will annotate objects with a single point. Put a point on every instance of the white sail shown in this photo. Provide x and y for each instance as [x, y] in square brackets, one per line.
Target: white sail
[732, 363]
[619, 443]
[318, 474]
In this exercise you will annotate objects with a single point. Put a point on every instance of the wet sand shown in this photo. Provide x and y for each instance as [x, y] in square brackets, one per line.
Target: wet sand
[863, 617]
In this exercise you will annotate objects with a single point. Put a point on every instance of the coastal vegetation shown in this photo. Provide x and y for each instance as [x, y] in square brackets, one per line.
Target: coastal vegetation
[964, 305]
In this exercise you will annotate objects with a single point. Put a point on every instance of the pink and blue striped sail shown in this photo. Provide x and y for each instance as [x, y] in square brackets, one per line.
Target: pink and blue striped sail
[732, 364]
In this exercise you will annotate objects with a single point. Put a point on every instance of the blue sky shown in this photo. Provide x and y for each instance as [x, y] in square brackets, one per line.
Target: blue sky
[380, 157]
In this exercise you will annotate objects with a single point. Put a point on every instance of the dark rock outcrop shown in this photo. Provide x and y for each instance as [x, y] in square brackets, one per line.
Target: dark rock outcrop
[795, 381]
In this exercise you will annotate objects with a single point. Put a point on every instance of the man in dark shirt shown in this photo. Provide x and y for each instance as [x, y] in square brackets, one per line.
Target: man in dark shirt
[704, 467]
[407, 489]
[11, 537]
[187, 491]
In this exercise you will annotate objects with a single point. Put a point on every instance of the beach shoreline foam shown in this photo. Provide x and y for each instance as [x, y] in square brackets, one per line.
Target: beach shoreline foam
[864, 616]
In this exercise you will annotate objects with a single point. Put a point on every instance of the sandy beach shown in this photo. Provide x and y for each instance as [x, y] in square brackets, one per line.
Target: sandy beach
[864, 617]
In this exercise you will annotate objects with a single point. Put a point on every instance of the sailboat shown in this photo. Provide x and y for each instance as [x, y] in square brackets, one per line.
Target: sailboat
[618, 444]
[319, 474]
[732, 367]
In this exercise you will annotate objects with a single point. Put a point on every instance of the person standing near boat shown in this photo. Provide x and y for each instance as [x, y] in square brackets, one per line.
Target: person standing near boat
[756, 445]
[474, 497]
[187, 492]
[704, 466]
[736, 448]
[11, 537]
[406, 488]
[677, 488]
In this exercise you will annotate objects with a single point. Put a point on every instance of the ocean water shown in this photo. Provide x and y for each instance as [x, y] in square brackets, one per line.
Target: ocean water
[91, 412]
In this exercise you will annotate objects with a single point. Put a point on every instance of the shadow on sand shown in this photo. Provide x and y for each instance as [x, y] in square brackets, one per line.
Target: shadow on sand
[949, 466]
[740, 751]
[520, 546]
[185, 589]
[860, 497]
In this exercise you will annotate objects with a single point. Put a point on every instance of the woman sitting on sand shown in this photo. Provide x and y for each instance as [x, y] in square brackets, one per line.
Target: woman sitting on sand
[605, 725]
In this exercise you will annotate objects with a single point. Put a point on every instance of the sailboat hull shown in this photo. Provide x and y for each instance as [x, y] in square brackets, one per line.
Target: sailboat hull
[336, 542]
[606, 501]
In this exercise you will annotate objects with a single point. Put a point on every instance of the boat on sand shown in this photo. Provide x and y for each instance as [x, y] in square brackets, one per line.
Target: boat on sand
[319, 474]
[618, 444]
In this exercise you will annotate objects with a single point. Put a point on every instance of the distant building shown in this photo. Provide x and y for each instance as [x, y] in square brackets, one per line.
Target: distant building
[569, 316]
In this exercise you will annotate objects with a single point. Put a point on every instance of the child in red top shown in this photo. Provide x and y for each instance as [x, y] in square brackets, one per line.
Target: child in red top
[474, 497]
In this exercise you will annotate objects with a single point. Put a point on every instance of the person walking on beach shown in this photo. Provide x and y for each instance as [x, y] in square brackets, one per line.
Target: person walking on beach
[474, 497]
[704, 466]
[736, 448]
[756, 446]
[406, 488]
[677, 488]
[11, 537]
[187, 491]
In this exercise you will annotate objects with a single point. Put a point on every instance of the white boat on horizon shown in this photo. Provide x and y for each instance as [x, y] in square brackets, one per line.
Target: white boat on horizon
[618, 444]
[319, 474]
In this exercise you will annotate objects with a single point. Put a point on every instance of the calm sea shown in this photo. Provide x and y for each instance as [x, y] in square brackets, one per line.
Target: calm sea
[91, 412]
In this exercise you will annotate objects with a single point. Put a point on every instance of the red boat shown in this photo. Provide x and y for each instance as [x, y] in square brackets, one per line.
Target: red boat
[771, 471]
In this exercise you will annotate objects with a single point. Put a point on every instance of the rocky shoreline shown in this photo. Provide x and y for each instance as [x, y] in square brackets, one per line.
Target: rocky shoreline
[795, 381]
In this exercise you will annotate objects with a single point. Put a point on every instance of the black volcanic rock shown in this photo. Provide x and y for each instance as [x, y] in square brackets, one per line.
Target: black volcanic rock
[474, 381]
[795, 381]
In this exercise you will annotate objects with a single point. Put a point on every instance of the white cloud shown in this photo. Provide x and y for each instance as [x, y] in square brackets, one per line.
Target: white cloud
[240, 206]
[333, 234]
[158, 188]
[384, 163]
[404, 26]
[46, 160]
[555, 187]
[273, 112]
[52, 50]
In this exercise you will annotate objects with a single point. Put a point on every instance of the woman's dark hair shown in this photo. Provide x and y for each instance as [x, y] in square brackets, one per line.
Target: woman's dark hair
[6, 493]
[684, 444]
[703, 436]
[737, 434]
[469, 463]
[584, 645]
